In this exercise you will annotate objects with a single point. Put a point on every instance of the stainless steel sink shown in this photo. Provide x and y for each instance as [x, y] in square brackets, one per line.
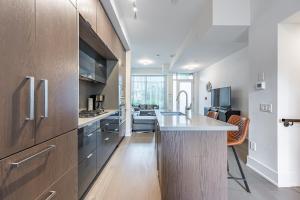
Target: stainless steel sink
[172, 113]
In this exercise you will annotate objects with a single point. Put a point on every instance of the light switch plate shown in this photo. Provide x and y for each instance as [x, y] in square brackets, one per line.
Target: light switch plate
[266, 108]
[252, 146]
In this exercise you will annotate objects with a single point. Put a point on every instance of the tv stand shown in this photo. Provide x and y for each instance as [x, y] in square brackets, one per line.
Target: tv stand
[224, 113]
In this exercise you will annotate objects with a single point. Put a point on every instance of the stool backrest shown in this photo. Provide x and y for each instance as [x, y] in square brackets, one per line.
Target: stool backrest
[213, 115]
[243, 124]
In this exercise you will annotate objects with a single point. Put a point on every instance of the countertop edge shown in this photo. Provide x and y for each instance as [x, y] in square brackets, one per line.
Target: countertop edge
[221, 127]
[82, 122]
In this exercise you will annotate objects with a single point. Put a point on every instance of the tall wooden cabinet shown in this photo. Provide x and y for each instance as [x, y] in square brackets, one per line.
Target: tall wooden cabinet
[17, 40]
[88, 9]
[38, 97]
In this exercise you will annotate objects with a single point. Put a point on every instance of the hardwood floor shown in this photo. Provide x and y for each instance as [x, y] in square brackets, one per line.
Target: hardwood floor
[131, 175]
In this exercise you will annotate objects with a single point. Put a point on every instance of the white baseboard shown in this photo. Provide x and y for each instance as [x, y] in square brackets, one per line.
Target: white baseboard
[263, 170]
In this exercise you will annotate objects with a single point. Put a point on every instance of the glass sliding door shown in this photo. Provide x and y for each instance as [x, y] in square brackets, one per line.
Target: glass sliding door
[182, 82]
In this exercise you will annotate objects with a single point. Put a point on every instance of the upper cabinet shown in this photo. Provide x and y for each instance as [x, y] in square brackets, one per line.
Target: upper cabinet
[104, 28]
[88, 9]
[93, 12]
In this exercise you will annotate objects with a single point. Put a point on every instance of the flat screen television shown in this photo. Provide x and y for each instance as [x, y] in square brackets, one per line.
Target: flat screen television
[221, 97]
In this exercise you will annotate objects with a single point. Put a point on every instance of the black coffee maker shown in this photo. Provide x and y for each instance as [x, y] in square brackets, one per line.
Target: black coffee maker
[98, 101]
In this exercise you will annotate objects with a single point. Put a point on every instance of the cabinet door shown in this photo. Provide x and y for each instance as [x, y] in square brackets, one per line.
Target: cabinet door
[27, 174]
[88, 10]
[57, 62]
[17, 33]
[104, 28]
[64, 189]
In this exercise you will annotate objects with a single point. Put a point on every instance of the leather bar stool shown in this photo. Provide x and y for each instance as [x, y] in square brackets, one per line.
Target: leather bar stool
[213, 115]
[235, 138]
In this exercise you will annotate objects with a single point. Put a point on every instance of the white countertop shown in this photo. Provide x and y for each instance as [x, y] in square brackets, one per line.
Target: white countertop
[82, 122]
[191, 123]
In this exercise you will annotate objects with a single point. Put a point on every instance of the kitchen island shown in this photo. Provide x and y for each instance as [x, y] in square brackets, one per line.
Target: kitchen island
[191, 156]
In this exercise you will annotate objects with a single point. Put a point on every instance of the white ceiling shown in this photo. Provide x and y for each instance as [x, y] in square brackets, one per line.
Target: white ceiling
[162, 27]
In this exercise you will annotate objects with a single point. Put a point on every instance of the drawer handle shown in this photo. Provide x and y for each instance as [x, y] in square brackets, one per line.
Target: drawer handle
[90, 135]
[89, 156]
[106, 139]
[24, 161]
[52, 194]
[107, 124]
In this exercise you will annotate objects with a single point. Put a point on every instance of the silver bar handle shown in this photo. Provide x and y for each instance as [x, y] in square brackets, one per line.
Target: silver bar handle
[24, 161]
[52, 194]
[90, 135]
[46, 94]
[89, 156]
[106, 139]
[31, 98]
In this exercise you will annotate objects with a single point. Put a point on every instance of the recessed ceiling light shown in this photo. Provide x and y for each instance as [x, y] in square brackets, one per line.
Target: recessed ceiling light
[191, 66]
[146, 61]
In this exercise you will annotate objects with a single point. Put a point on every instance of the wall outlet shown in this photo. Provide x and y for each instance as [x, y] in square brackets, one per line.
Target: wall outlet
[252, 146]
[266, 108]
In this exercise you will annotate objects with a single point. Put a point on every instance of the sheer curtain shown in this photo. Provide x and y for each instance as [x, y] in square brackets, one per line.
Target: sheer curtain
[148, 90]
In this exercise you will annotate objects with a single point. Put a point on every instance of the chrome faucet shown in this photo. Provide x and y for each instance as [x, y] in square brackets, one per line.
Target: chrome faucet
[187, 108]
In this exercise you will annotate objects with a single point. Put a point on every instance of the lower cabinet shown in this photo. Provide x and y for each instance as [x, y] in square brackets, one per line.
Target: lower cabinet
[94, 149]
[64, 189]
[26, 175]
[86, 172]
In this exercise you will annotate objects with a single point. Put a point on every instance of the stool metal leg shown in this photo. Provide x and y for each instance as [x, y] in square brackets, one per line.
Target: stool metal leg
[241, 169]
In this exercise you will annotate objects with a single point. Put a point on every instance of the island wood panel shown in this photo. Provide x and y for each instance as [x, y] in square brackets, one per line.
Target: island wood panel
[29, 180]
[88, 9]
[17, 35]
[193, 165]
[56, 61]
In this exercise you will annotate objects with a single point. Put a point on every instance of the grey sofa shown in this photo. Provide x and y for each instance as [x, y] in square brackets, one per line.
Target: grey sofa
[143, 118]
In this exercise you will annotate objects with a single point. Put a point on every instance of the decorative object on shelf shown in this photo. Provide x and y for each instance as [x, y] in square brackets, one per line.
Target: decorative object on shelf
[209, 86]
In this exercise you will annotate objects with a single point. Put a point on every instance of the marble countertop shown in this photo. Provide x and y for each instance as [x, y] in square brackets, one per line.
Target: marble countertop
[191, 123]
[82, 122]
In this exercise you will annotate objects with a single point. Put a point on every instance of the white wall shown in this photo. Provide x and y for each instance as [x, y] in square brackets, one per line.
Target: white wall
[288, 103]
[232, 71]
[263, 52]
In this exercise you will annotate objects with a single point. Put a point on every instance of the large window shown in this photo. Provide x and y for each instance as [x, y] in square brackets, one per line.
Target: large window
[148, 90]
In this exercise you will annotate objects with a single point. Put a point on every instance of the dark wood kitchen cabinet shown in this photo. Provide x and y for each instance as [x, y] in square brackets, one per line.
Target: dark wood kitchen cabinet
[37, 45]
[105, 29]
[27, 174]
[39, 62]
[17, 39]
[63, 189]
[57, 62]
[88, 9]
